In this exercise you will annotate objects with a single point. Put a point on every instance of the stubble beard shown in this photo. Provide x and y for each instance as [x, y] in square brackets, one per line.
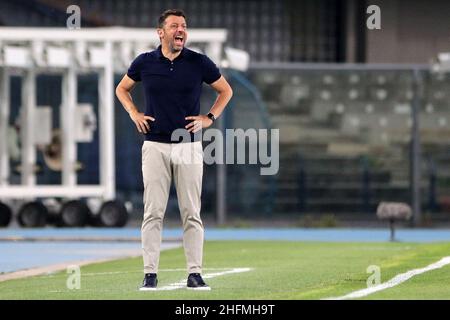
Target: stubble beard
[173, 48]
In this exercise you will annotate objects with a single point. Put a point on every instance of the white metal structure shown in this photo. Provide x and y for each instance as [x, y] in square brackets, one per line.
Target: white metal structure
[32, 51]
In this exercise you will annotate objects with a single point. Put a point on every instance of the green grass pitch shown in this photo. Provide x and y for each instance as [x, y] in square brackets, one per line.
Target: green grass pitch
[280, 270]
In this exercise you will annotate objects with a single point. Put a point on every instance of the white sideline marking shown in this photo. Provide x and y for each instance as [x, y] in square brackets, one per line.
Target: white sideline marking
[394, 281]
[182, 283]
[140, 271]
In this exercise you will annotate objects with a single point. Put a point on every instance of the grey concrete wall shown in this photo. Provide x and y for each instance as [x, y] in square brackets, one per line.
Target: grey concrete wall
[411, 31]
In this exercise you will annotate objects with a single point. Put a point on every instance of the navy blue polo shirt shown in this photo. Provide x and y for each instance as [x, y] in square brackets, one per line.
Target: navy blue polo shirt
[172, 89]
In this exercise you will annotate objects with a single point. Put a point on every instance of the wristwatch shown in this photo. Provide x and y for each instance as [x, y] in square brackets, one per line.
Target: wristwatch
[211, 116]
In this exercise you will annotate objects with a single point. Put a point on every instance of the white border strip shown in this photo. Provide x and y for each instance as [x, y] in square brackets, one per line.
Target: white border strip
[49, 270]
[394, 281]
[182, 283]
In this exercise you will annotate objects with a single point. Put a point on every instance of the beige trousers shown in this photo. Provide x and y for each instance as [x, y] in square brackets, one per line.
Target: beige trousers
[160, 163]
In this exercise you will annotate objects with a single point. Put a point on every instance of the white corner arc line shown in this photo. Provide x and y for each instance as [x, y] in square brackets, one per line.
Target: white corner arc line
[394, 281]
[182, 283]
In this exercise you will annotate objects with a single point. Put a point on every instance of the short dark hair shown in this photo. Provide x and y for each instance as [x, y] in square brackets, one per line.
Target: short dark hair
[170, 12]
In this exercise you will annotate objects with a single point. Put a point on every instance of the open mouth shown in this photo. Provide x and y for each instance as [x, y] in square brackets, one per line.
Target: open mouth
[179, 40]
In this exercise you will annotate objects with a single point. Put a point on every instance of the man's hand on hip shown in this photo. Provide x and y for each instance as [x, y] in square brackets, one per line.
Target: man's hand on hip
[140, 120]
[199, 122]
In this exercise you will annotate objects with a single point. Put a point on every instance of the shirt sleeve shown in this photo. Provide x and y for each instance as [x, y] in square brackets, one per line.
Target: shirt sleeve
[134, 71]
[210, 71]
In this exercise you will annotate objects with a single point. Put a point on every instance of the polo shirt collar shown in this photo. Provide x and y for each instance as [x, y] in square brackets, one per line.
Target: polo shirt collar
[159, 54]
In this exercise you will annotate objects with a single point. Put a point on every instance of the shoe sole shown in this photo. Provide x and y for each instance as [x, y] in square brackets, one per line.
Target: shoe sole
[199, 288]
